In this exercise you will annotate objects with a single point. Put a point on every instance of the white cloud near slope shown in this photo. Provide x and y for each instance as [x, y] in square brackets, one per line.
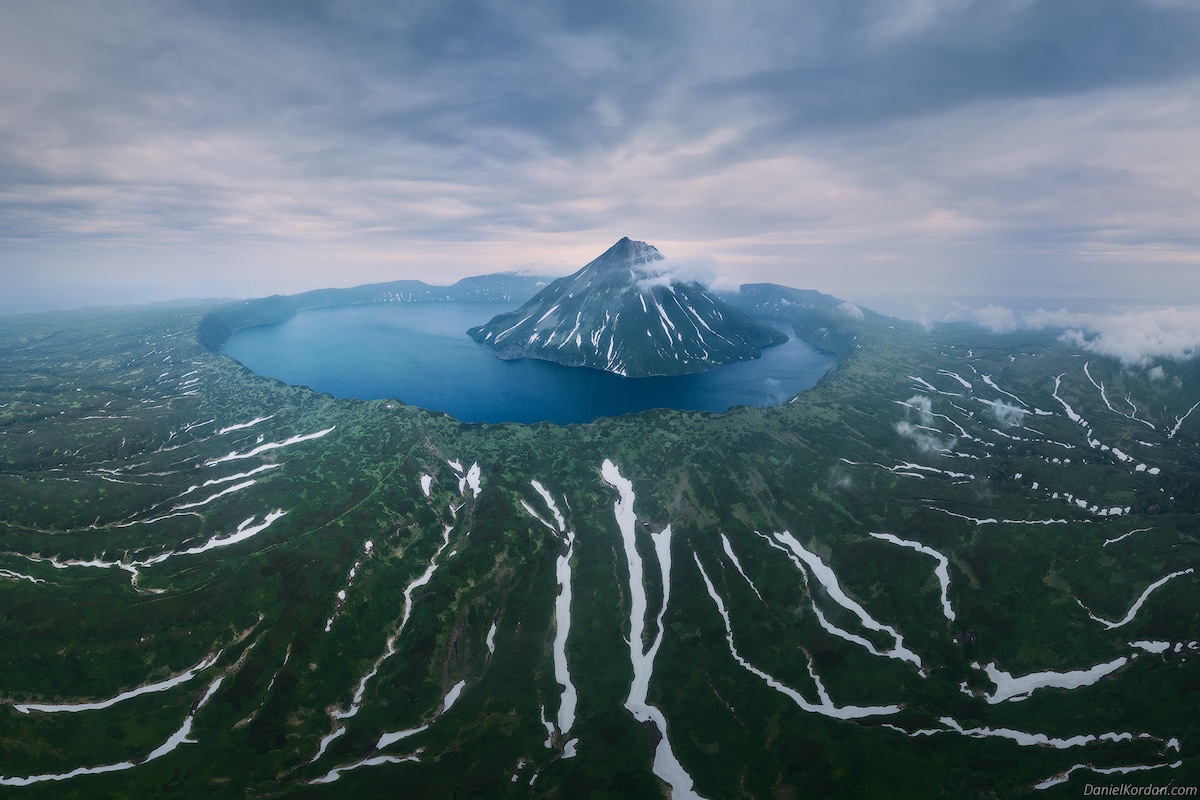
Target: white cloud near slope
[927, 438]
[1135, 338]
[702, 269]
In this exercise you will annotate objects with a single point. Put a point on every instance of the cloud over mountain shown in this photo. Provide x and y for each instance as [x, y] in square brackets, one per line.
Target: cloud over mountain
[701, 269]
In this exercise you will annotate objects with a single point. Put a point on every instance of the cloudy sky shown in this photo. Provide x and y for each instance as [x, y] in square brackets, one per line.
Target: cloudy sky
[894, 152]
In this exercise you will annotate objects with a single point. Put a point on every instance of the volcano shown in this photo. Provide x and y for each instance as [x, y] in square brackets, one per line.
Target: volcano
[624, 313]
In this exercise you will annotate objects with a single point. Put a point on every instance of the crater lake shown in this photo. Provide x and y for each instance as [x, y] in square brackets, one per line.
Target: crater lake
[419, 353]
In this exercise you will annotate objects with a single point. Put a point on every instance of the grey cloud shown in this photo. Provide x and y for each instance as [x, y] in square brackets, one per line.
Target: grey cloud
[854, 73]
[996, 147]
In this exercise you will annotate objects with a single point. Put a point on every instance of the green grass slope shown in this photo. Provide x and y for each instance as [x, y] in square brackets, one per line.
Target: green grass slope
[265, 564]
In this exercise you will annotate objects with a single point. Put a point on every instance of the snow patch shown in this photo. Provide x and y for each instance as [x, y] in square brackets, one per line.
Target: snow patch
[665, 765]
[1016, 689]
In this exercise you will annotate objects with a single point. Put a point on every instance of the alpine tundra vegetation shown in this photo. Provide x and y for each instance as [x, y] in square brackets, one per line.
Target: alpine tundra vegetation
[962, 565]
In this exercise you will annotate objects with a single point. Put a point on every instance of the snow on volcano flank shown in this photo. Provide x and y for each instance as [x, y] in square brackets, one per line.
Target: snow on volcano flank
[623, 313]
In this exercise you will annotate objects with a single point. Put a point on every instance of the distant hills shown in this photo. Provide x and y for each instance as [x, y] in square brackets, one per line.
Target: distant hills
[217, 326]
[622, 315]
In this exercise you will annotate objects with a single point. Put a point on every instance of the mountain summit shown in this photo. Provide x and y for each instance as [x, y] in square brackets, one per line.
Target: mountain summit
[622, 314]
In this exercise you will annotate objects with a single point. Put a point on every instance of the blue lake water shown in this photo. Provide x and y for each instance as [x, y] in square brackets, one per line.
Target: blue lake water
[419, 353]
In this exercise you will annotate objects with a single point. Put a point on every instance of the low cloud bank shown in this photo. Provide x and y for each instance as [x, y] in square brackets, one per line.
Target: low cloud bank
[996, 319]
[1135, 338]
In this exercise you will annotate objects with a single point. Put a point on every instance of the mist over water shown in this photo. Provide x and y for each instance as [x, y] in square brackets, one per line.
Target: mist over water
[419, 353]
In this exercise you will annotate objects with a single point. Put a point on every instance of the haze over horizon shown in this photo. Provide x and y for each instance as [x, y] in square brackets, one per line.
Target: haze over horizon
[903, 155]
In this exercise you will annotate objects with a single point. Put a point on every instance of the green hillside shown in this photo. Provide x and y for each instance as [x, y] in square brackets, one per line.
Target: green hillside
[334, 598]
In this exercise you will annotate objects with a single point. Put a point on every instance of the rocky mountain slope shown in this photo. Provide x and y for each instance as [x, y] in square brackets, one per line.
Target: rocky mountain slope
[621, 314]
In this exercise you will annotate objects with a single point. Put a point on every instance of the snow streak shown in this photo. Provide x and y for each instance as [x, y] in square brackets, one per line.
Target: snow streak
[1138, 604]
[666, 765]
[825, 707]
